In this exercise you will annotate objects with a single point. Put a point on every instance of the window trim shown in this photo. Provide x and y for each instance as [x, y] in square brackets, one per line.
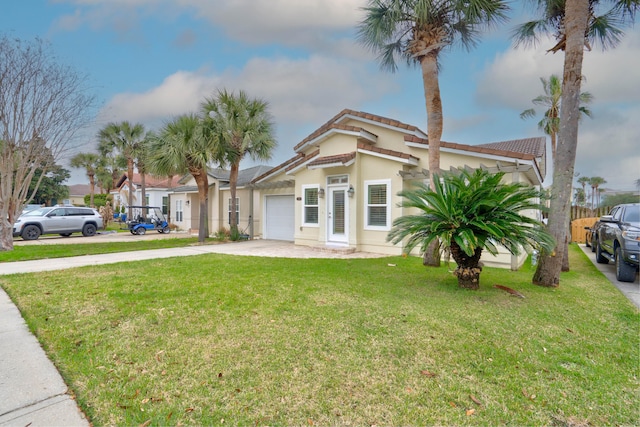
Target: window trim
[367, 184]
[179, 211]
[304, 205]
[237, 210]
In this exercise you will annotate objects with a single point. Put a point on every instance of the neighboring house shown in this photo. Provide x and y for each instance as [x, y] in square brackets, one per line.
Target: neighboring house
[340, 188]
[76, 194]
[186, 208]
[156, 191]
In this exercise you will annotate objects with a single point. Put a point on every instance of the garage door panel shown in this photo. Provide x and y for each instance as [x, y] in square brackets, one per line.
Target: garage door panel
[279, 217]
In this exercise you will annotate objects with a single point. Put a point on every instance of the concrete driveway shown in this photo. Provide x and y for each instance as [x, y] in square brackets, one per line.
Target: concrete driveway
[261, 248]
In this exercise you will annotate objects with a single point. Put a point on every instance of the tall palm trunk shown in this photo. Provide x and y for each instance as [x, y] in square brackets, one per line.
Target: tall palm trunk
[92, 188]
[433, 103]
[576, 18]
[202, 182]
[233, 184]
[468, 269]
[130, 195]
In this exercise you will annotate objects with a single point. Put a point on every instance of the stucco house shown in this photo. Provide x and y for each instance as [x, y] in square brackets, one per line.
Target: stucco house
[77, 193]
[156, 191]
[185, 202]
[339, 190]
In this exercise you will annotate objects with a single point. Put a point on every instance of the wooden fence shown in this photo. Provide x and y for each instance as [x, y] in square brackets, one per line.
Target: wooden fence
[578, 212]
[578, 232]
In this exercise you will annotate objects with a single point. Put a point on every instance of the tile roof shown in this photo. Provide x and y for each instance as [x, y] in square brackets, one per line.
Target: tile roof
[281, 166]
[151, 181]
[302, 160]
[331, 160]
[535, 146]
[346, 113]
[392, 153]
[80, 189]
[484, 149]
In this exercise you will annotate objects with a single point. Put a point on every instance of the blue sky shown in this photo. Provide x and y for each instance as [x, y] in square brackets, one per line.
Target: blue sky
[151, 60]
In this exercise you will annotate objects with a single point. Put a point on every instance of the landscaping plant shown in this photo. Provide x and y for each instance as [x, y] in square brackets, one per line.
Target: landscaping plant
[471, 211]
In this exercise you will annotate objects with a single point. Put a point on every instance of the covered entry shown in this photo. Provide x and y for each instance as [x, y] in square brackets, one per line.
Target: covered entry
[279, 221]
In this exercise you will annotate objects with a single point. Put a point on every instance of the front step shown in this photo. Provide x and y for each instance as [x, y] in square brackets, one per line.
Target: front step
[342, 250]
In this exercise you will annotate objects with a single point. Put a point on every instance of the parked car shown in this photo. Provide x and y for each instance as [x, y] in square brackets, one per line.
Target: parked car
[62, 220]
[617, 239]
[29, 208]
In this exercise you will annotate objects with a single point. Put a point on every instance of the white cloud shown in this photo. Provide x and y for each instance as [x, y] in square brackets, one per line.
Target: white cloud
[291, 22]
[607, 143]
[302, 94]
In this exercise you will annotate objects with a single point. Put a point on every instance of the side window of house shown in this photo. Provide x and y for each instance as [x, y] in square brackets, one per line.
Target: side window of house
[165, 205]
[378, 205]
[237, 210]
[179, 210]
[310, 205]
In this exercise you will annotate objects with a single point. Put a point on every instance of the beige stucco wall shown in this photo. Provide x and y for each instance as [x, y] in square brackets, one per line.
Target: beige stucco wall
[369, 167]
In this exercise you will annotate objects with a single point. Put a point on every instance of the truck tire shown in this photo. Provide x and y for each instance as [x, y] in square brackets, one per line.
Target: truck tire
[30, 232]
[600, 259]
[624, 271]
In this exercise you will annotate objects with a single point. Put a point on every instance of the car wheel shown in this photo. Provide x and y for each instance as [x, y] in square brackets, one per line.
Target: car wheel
[89, 230]
[624, 271]
[600, 259]
[141, 231]
[594, 242]
[65, 234]
[166, 230]
[31, 232]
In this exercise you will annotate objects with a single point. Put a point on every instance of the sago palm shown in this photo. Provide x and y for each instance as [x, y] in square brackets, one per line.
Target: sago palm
[471, 211]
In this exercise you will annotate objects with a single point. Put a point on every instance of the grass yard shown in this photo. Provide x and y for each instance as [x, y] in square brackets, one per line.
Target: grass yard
[213, 339]
[33, 252]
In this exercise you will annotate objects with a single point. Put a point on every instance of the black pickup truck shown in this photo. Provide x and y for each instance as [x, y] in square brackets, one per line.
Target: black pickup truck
[617, 239]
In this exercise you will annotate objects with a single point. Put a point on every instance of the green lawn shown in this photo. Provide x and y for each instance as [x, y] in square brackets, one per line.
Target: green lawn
[213, 339]
[33, 252]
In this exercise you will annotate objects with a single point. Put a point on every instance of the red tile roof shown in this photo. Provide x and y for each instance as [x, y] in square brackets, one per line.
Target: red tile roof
[333, 124]
[484, 149]
[392, 153]
[330, 160]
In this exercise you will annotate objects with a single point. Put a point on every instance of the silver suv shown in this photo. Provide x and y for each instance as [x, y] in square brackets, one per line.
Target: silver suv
[62, 220]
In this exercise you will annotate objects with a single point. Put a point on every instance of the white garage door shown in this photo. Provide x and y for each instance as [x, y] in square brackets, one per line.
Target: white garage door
[280, 217]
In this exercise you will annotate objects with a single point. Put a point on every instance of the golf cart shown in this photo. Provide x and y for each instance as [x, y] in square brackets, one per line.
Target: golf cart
[145, 218]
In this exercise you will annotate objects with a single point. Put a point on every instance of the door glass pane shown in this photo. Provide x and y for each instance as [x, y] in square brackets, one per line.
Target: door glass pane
[338, 212]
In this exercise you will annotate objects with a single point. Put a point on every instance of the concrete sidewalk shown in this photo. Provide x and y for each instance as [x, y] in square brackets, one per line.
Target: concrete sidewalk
[32, 392]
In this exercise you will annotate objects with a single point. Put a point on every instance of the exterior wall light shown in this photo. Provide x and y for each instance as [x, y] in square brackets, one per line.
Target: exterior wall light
[321, 192]
[351, 191]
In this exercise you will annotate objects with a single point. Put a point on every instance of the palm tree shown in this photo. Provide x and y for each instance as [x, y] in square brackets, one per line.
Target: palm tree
[181, 148]
[595, 183]
[551, 100]
[125, 137]
[113, 162]
[469, 212]
[241, 126]
[140, 154]
[575, 24]
[418, 31]
[89, 162]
